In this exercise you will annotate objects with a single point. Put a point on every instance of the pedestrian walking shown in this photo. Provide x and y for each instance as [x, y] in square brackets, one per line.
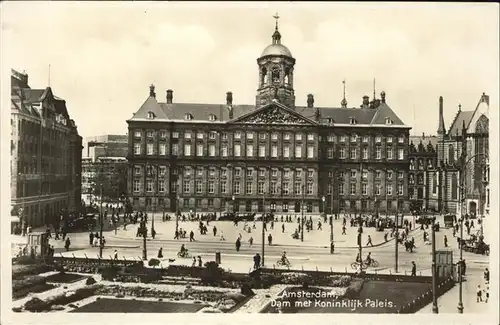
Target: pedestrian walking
[191, 236]
[343, 229]
[270, 239]
[67, 243]
[238, 244]
[176, 235]
[215, 231]
[445, 241]
[413, 268]
[250, 241]
[256, 261]
[369, 243]
[194, 262]
[115, 255]
[486, 276]
[200, 262]
[332, 247]
[160, 253]
[479, 294]
[487, 294]
[283, 228]
[385, 236]
[319, 225]
[91, 238]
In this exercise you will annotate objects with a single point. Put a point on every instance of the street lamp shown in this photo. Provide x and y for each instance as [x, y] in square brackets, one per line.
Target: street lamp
[360, 244]
[263, 225]
[302, 214]
[435, 308]
[101, 224]
[323, 199]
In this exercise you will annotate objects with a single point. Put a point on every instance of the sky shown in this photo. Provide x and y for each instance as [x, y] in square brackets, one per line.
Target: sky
[103, 56]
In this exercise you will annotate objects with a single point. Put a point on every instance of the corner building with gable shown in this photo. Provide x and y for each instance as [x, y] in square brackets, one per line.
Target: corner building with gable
[270, 156]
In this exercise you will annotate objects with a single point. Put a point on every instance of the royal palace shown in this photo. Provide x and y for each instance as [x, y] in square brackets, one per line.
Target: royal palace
[274, 155]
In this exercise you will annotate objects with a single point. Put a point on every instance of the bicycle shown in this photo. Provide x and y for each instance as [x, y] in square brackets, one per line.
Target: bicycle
[356, 265]
[184, 254]
[284, 262]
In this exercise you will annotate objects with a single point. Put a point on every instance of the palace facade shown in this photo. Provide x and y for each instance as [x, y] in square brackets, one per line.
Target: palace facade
[274, 155]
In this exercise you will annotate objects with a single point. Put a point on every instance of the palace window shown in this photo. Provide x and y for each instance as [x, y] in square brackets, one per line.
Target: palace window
[274, 151]
[298, 173]
[310, 137]
[298, 188]
[249, 188]
[262, 172]
[137, 185]
[211, 150]
[137, 134]
[187, 150]
[389, 189]
[364, 189]
[137, 148]
[137, 170]
[286, 188]
[211, 187]
[365, 153]
[161, 186]
[150, 149]
[223, 187]
[260, 187]
[389, 139]
[298, 136]
[199, 171]
[274, 136]
[400, 189]
[211, 171]
[149, 134]
[342, 153]
[224, 150]
[286, 151]
[249, 150]
[401, 154]
[353, 174]
[329, 152]
[389, 153]
[343, 138]
[212, 117]
[366, 139]
[199, 135]
[400, 175]
[163, 134]
[163, 171]
[223, 172]
[236, 189]
[262, 150]
[310, 187]
[310, 152]
[354, 137]
[401, 139]
[212, 135]
[163, 149]
[274, 173]
[262, 136]
[389, 174]
[237, 172]
[353, 154]
[175, 149]
[249, 172]
[199, 186]
[378, 153]
[378, 139]
[274, 188]
[175, 135]
[330, 138]
[188, 117]
[149, 185]
[377, 189]
[199, 150]
[286, 136]
[237, 150]
[186, 186]
[237, 135]
[342, 189]
[353, 188]
[310, 173]
[365, 174]
[249, 136]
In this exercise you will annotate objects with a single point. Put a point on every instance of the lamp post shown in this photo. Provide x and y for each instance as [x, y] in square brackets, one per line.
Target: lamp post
[302, 214]
[263, 227]
[435, 308]
[233, 203]
[323, 199]
[101, 225]
[360, 243]
[177, 209]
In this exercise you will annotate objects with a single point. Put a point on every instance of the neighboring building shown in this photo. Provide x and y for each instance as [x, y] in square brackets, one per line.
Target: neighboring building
[110, 145]
[111, 172]
[274, 155]
[46, 152]
[469, 132]
[423, 163]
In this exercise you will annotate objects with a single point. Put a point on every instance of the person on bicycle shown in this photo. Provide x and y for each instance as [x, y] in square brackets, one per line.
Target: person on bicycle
[183, 250]
[284, 259]
[369, 258]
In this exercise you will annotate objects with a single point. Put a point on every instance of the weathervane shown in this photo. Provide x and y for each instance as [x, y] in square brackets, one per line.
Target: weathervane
[276, 16]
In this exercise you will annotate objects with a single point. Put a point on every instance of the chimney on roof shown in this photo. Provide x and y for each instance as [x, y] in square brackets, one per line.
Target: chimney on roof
[229, 98]
[152, 91]
[310, 100]
[366, 101]
[170, 96]
[382, 96]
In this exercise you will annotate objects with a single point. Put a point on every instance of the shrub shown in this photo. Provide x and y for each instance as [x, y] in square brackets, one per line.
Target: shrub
[27, 282]
[354, 288]
[36, 305]
[24, 270]
[246, 290]
[90, 281]
[212, 273]
[154, 262]
[67, 298]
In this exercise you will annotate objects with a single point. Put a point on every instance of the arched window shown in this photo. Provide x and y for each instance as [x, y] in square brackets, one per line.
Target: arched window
[151, 115]
[451, 154]
[454, 186]
[276, 75]
[263, 76]
[188, 117]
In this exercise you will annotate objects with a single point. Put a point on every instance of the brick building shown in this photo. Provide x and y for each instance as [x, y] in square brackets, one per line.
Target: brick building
[109, 145]
[273, 155]
[46, 152]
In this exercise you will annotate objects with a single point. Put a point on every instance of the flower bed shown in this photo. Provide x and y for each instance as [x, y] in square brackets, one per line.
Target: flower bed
[37, 305]
[21, 293]
[192, 294]
[113, 305]
[64, 278]
[21, 271]
[32, 284]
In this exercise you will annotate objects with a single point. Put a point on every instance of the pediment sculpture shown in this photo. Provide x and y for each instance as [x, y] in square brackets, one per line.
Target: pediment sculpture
[274, 115]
